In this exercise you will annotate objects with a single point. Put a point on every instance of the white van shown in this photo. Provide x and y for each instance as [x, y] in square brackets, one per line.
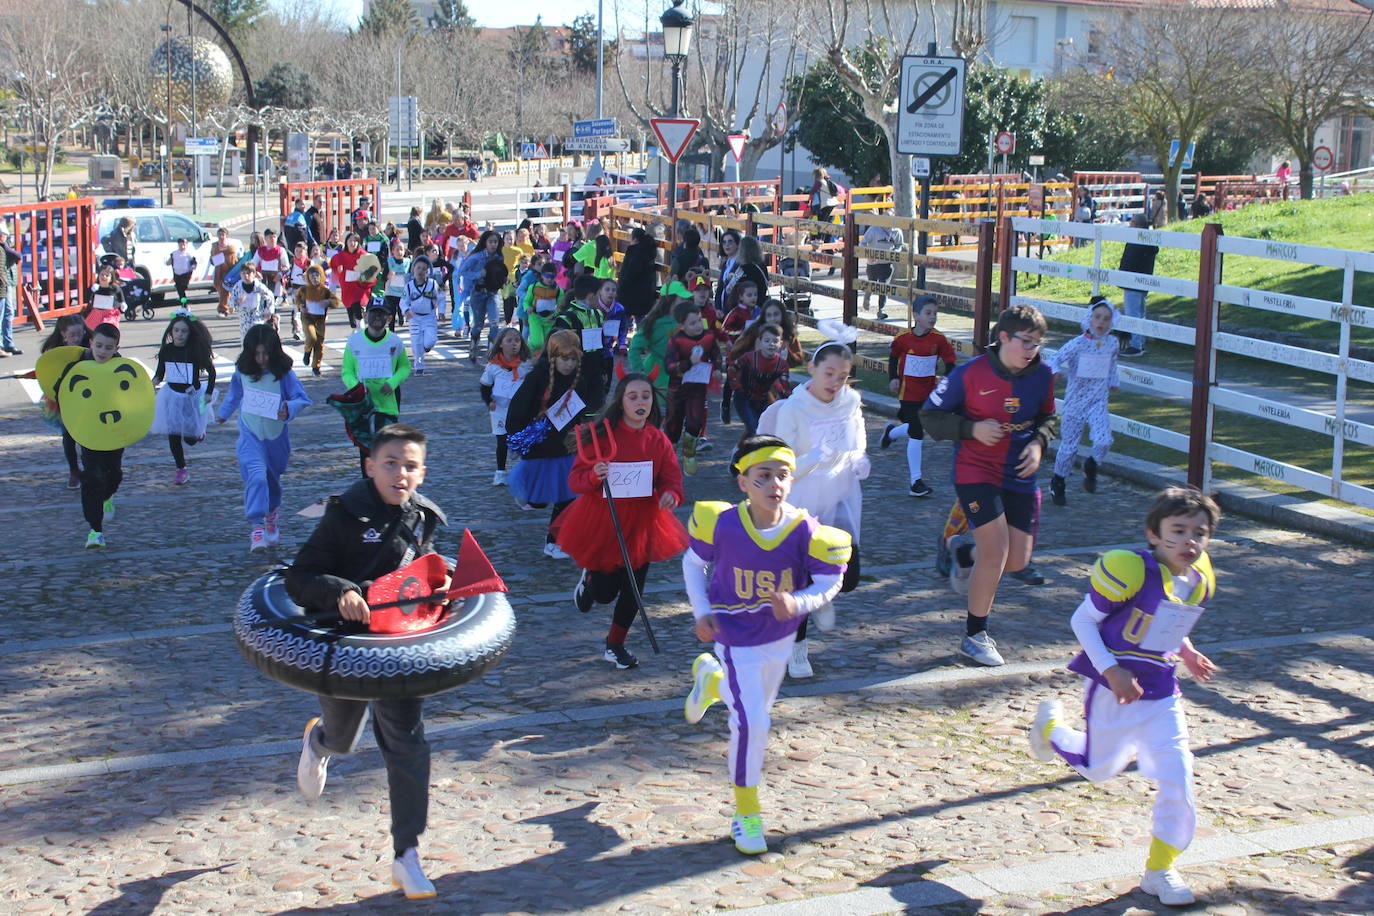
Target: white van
[157, 230]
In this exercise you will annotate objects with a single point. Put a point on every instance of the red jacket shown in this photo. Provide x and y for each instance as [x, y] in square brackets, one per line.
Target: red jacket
[931, 344]
[647, 444]
[352, 292]
[735, 321]
[678, 359]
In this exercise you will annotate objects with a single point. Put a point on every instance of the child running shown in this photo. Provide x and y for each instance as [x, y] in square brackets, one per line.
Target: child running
[419, 306]
[760, 376]
[582, 316]
[544, 408]
[739, 309]
[102, 470]
[267, 395]
[692, 356]
[106, 302]
[329, 575]
[770, 564]
[823, 421]
[69, 331]
[1089, 361]
[538, 305]
[1133, 625]
[252, 301]
[998, 410]
[646, 484]
[500, 380]
[313, 302]
[183, 402]
[911, 377]
[376, 358]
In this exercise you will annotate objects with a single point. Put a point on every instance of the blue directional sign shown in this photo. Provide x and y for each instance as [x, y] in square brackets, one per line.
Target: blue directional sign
[597, 127]
[1187, 157]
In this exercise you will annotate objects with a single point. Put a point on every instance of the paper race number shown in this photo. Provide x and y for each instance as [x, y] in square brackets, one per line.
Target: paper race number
[630, 479]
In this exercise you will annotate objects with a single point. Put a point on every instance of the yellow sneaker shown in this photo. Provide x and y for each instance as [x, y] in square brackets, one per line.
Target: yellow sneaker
[700, 698]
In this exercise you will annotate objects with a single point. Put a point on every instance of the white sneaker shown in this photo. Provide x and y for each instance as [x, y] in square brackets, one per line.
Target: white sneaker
[1049, 711]
[698, 700]
[410, 878]
[270, 531]
[1167, 885]
[747, 832]
[799, 666]
[313, 768]
[257, 541]
[554, 552]
[982, 648]
[958, 575]
[824, 617]
[498, 479]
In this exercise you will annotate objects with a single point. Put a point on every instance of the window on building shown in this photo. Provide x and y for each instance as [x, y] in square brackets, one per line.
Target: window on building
[1019, 46]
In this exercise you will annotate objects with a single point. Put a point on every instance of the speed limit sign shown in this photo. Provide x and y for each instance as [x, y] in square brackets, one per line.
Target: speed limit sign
[1006, 143]
[1322, 157]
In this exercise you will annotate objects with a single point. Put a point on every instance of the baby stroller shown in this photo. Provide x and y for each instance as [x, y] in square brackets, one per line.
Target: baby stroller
[796, 300]
[137, 296]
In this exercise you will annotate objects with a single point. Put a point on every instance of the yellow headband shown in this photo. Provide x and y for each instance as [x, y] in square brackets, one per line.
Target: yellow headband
[771, 453]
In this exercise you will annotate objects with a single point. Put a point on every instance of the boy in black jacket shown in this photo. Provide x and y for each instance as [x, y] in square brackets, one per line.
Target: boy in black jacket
[375, 527]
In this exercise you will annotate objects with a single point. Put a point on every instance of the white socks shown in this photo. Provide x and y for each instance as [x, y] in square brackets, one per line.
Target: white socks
[913, 456]
[899, 430]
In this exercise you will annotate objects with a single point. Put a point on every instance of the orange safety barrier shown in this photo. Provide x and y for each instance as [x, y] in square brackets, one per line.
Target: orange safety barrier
[341, 198]
[58, 249]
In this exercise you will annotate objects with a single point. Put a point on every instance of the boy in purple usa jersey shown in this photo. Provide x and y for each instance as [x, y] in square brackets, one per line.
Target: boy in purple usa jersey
[770, 565]
[1133, 625]
[998, 409]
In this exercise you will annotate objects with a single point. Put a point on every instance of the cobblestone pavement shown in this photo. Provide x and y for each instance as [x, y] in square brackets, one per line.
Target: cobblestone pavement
[146, 768]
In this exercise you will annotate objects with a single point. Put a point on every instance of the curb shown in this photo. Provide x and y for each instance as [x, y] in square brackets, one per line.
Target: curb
[1239, 499]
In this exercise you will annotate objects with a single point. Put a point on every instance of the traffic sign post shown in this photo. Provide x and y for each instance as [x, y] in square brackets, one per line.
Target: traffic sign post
[1005, 143]
[1174, 146]
[596, 127]
[737, 142]
[920, 167]
[202, 146]
[673, 136]
[1322, 158]
[403, 127]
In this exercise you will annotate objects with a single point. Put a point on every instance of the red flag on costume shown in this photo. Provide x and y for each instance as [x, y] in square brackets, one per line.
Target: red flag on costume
[407, 590]
[474, 574]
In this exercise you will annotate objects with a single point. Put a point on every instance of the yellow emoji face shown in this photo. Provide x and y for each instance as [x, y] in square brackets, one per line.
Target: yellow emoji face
[107, 406]
[51, 365]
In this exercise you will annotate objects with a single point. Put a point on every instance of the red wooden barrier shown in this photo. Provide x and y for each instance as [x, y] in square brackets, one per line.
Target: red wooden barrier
[340, 199]
[58, 248]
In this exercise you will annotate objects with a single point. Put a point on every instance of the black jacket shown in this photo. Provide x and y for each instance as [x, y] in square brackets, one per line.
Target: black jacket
[639, 279]
[1138, 259]
[360, 538]
[527, 403]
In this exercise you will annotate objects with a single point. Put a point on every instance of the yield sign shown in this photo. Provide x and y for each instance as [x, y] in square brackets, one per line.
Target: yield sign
[737, 142]
[674, 134]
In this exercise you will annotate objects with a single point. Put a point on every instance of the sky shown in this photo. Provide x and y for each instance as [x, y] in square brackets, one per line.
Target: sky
[499, 13]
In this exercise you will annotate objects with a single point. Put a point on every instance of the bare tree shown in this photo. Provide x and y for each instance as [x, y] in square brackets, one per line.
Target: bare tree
[850, 27]
[1307, 67]
[51, 76]
[1174, 69]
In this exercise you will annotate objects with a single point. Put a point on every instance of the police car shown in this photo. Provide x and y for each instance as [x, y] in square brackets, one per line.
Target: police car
[157, 230]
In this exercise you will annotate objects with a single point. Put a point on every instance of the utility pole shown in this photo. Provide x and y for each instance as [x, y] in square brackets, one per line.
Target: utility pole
[195, 160]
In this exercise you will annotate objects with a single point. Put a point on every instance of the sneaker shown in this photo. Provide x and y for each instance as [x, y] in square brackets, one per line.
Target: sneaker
[747, 832]
[1048, 712]
[1029, 575]
[982, 648]
[270, 530]
[258, 541]
[498, 479]
[1167, 885]
[704, 444]
[958, 572]
[554, 552]
[882, 316]
[313, 767]
[14, 351]
[410, 878]
[824, 617]
[919, 489]
[724, 414]
[799, 665]
[689, 453]
[1132, 351]
[315, 371]
[182, 475]
[886, 440]
[1057, 491]
[419, 372]
[582, 596]
[305, 360]
[698, 700]
[621, 657]
[73, 481]
[95, 539]
[1090, 475]
[108, 507]
[943, 558]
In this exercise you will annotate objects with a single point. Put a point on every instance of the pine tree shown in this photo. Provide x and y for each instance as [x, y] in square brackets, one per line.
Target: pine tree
[387, 16]
[451, 16]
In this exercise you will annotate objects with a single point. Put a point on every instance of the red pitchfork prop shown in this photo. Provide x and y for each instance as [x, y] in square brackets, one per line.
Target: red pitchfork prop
[595, 451]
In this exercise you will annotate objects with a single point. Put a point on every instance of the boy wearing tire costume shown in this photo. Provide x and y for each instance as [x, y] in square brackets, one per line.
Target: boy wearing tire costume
[375, 527]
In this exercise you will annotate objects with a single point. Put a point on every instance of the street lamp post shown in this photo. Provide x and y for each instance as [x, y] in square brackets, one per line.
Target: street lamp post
[167, 127]
[677, 39]
[195, 160]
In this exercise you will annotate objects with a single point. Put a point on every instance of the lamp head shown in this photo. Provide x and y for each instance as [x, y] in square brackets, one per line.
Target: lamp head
[677, 31]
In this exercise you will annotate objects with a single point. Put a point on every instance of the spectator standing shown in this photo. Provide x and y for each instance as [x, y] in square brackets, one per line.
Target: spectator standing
[1137, 258]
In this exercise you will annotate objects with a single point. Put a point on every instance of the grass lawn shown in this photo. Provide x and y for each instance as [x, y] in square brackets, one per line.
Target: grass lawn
[1339, 222]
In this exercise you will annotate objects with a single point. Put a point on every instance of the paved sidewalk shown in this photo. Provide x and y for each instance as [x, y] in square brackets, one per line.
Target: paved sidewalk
[147, 768]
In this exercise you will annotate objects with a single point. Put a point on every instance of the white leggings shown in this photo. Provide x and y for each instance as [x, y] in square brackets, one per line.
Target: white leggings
[424, 333]
[1155, 734]
[753, 675]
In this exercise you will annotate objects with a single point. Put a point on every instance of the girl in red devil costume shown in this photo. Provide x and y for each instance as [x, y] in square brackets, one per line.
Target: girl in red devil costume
[646, 483]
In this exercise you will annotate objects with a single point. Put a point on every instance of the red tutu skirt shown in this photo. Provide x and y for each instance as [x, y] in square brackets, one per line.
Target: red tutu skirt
[652, 534]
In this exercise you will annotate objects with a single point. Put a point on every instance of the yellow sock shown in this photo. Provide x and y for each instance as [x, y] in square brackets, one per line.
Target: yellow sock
[1162, 855]
[713, 684]
[1049, 727]
[746, 800]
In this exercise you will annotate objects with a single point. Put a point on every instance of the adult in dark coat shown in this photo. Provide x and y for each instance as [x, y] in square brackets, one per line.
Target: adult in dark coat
[638, 278]
[1136, 258]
